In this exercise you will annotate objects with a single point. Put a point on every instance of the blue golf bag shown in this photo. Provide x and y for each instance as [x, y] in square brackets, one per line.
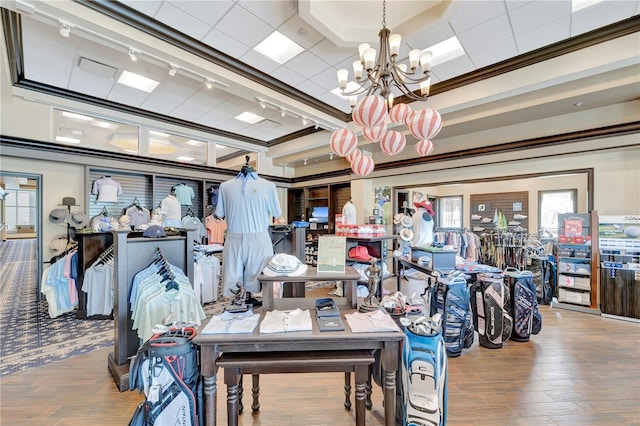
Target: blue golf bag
[424, 375]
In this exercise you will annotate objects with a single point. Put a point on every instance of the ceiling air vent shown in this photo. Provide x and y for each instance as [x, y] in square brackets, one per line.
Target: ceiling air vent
[96, 68]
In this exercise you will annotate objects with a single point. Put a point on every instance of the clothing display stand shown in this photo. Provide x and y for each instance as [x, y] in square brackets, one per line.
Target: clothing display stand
[133, 253]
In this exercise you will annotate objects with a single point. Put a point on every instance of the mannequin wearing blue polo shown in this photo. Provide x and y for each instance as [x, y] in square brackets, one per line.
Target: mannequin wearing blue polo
[247, 203]
[423, 222]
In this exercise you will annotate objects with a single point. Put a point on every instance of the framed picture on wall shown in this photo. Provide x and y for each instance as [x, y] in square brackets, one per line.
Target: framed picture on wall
[482, 207]
[517, 207]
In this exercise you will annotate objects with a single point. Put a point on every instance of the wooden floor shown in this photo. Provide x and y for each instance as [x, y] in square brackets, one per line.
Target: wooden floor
[581, 370]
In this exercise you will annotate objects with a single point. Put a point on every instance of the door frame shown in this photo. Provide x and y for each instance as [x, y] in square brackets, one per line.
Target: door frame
[39, 223]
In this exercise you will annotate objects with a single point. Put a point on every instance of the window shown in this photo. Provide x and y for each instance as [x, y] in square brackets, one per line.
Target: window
[449, 214]
[20, 208]
[552, 203]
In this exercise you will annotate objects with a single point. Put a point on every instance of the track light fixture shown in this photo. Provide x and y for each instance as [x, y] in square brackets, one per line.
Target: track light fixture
[263, 105]
[283, 112]
[65, 30]
[304, 121]
[173, 69]
[305, 162]
[132, 55]
[208, 83]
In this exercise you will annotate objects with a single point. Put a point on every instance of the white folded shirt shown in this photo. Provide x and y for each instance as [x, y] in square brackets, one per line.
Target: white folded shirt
[232, 323]
[285, 321]
[370, 322]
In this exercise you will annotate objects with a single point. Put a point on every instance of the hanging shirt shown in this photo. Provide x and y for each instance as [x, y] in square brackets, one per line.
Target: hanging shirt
[138, 216]
[171, 211]
[248, 203]
[349, 214]
[107, 189]
[215, 229]
[184, 194]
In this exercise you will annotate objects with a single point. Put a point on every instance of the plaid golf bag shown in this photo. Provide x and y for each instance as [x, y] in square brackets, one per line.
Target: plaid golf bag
[166, 369]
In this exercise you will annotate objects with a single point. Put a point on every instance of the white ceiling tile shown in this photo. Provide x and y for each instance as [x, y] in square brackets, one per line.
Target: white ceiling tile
[426, 37]
[127, 95]
[234, 125]
[287, 76]
[169, 94]
[311, 88]
[222, 42]
[273, 12]
[332, 54]
[495, 53]
[199, 104]
[84, 82]
[209, 12]
[538, 13]
[335, 101]
[471, 13]
[327, 79]
[259, 61]
[38, 68]
[601, 14]
[453, 68]
[514, 4]
[485, 34]
[300, 32]
[182, 21]
[307, 64]
[244, 27]
[544, 35]
[148, 7]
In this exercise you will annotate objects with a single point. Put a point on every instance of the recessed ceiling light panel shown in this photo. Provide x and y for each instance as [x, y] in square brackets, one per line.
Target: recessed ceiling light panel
[138, 81]
[65, 139]
[249, 117]
[278, 47]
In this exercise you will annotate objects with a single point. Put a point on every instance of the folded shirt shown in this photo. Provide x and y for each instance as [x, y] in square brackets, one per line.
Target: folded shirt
[285, 321]
[371, 322]
[232, 323]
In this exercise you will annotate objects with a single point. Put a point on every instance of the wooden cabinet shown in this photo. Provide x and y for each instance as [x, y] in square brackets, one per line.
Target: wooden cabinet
[302, 202]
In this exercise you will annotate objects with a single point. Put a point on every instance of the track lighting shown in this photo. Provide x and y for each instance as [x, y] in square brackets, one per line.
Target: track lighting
[263, 105]
[132, 55]
[172, 70]
[331, 156]
[65, 30]
[316, 125]
[304, 121]
[283, 112]
[305, 162]
[208, 83]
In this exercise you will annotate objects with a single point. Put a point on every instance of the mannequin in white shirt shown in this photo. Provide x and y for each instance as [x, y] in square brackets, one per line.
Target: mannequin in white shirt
[171, 210]
[349, 213]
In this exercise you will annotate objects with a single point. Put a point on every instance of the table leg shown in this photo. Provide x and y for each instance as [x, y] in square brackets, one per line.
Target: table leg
[362, 373]
[255, 392]
[208, 369]
[390, 359]
[267, 295]
[368, 402]
[231, 380]
[347, 391]
[240, 394]
[350, 289]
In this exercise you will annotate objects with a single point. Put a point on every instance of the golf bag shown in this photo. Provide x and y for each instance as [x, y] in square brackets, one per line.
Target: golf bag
[489, 301]
[166, 369]
[523, 304]
[452, 302]
[424, 375]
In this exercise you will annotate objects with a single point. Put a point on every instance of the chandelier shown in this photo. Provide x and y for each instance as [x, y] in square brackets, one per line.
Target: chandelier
[383, 73]
[371, 112]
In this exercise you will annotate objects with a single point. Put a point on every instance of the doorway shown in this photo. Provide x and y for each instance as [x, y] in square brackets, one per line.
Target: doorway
[21, 213]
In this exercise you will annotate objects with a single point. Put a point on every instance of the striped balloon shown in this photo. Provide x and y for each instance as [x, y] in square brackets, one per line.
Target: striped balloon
[393, 143]
[409, 117]
[424, 148]
[343, 142]
[370, 111]
[398, 113]
[374, 134]
[355, 153]
[362, 165]
[426, 123]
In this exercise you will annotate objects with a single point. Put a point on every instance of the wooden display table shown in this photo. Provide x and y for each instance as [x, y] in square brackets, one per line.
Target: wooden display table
[350, 278]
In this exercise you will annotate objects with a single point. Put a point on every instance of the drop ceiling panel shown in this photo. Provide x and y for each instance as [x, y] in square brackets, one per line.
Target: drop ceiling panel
[544, 35]
[148, 7]
[538, 13]
[500, 51]
[332, 54]
[182, 21]
[285, 74]
[208, 12]
[244, 27]
[453, 68]
[486, 34]
[273, 12]
[301, 32]
[472, 13]
[200, 103]
[600, 15]
[311, 88]
[127, 95]
[259, 61]
[224, 43]
[90, 84]
[168, 96]
[307, 64]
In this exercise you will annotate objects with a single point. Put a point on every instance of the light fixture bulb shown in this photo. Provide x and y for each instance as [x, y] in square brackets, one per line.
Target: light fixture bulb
[208, 83]
[132, 55]
[283, 112]
[331, 156]
[172, 70]
[263, 105]
[304, 121]
[65, 31]
[305, 162]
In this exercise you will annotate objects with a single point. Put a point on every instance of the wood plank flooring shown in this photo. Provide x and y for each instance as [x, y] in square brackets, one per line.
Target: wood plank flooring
[581, 370]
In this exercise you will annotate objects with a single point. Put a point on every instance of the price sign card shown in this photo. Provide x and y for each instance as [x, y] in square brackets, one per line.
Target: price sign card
[332, 253]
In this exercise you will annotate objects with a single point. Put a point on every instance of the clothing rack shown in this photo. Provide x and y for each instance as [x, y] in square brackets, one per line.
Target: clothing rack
[132, 254]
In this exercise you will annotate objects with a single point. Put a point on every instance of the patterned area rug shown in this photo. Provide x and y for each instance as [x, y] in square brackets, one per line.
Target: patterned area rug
[29, 337]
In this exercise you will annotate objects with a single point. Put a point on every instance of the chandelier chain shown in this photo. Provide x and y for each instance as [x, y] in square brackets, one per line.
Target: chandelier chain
[384, 13]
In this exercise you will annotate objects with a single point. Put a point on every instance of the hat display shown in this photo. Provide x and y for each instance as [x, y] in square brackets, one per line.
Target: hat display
[58, 215]
[359, 252]
[425, 204]
[406, 221]
[284, 264]
[69, 201]
[397, 218]
[78, 220]
[154, 231]
[406, 234]
[58, 244]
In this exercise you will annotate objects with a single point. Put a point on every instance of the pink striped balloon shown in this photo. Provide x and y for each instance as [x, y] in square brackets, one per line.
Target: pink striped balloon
[424, 148]
[343, 142]
[355, 153]
[362, 165]
[409, 117]
[393, 143]
[375, 134]
[398, 113]
[370, 111]
[426, 123]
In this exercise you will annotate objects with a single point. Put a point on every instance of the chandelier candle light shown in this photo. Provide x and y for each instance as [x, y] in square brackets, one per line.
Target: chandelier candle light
[378, 78]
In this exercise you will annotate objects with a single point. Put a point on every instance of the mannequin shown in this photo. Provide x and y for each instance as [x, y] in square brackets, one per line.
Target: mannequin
[171, 211]
[349, 213]
[247, 203]
[423, 223]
